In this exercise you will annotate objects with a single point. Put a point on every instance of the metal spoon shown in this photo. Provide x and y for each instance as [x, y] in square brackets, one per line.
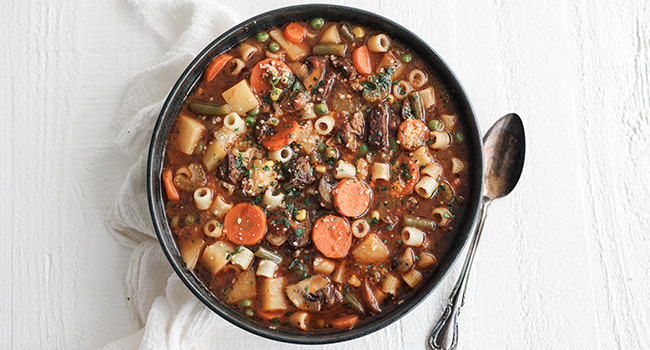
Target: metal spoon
[504, 148]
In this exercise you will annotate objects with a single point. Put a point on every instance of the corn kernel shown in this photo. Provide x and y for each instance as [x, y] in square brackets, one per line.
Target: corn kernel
[269, 163]
[358, 32]
[391, 99]
[302, 215]
[275, 94]
[274, 121]
[354, 281]
[375, 215]
[320, 168]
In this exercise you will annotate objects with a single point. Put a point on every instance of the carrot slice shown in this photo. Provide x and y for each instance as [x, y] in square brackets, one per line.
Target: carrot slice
[412, 134]
[170, 189]
[346, 321]
[245, 224]
[269, 315]
[408, 175]
[216, 66]
[351, 197]
[286, 133]
[294, 32]
[331, 236]
[361, 60]
[259, 81]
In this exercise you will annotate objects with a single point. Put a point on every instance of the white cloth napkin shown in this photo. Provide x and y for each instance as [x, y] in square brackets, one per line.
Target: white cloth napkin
[171, 318]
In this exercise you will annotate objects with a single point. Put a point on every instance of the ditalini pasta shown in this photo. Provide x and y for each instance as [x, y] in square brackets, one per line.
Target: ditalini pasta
[315, 174]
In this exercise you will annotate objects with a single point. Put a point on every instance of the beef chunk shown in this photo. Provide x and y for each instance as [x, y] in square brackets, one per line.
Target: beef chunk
[325, 187]
[300, 233]
[294, 101]
[351, 129]
[378, 127]
[323, 91]
[228, 170]
[346, 67]
[262, 129]
[301, 173]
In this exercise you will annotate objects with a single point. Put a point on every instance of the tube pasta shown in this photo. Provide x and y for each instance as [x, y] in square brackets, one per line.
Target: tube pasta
[273, 297]
[234, 123]
[246, 51]
[413, 277]
[202, 198]
[441, 216]
[412, 236]
[266, 268]
[378, 43]
[344, 170]
[380, 171]
[324, 125]
[243, 257]
[237, 67]
[439, 139]
[428, 97]
[434, 170]
[190, 131]
[390, 284]
[360, 228]
[213, 228]
[220, 206]
[457, 165]
[322, 265]
[421, 156]
[282, 155]
[299, 319]
[272, 201]
[417, 78]
[276, 56]
[402, 89]
[426, 187]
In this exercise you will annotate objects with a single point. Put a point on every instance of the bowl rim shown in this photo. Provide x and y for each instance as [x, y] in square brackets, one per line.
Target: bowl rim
[185, 84]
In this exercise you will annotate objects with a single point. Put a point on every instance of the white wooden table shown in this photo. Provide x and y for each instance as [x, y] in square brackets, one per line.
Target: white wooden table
[564, 262]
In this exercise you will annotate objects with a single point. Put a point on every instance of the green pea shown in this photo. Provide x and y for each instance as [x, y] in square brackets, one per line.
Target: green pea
[262, 37]
[459, 136]
[320, 108]
[246, 303]
[250, 313]
[189, 220]
[274, 47]
[250, 121]
[435, 124]
[254, 112]
[316, 23]
[174, 222]
[406, 58]
[363, 148]
[199, 148]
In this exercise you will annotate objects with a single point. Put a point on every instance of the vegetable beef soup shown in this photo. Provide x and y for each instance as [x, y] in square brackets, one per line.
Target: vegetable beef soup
[315, 175]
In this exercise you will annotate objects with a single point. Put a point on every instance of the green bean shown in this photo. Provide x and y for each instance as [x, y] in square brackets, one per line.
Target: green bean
[314, 157]
[406, 58]
[320, 108]
[246, 303]
[316, 23]
[262, 37]
[274, 47]
[322, 147]
[330, 49]
[425, 224]
[353, 301]
[255, 111]
[331, 152]
[416, 104]
[346, 33]
[209, 108]
[264, 253]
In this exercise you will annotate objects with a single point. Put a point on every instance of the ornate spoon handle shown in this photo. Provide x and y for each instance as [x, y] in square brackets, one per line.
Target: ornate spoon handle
[445, 334]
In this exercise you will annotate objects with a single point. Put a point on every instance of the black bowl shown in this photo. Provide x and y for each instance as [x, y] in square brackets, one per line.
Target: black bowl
[187, 81]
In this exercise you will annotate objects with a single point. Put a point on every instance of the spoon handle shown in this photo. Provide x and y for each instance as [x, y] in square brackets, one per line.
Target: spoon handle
[445, 334]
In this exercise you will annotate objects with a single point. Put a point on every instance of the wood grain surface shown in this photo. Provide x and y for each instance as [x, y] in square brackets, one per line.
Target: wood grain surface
[564, 260]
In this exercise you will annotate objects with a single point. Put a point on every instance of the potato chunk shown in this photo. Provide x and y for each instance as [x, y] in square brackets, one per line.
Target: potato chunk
[217, 255]
[371, 250]
[190, 253]
[241, 98]
[189, 133]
